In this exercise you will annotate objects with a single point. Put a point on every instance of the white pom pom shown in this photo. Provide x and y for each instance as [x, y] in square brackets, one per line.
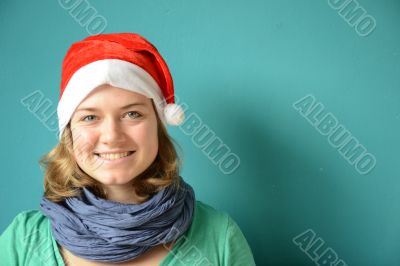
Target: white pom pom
[174, 114]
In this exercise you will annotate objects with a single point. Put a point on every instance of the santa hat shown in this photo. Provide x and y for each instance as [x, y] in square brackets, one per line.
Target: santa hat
[124, 60]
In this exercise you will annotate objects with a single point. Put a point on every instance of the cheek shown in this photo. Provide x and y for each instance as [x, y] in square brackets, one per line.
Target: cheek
[146, 136]
[83, 142]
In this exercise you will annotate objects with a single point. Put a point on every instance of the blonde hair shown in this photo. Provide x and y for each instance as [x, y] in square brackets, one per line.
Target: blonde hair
[64, 178]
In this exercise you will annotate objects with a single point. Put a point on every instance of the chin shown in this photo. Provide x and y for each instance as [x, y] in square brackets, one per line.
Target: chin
[114, 180]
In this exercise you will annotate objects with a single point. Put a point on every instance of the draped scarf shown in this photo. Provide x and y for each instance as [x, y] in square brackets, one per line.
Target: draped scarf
[107, 231]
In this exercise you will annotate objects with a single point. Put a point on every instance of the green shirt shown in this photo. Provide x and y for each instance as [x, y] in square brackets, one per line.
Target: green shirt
[213, 238]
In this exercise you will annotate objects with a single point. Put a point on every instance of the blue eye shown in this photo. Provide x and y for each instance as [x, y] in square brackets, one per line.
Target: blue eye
[84, 119]
[133, 112]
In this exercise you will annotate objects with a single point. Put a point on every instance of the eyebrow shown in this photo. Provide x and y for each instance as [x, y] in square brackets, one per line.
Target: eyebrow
[92, 109]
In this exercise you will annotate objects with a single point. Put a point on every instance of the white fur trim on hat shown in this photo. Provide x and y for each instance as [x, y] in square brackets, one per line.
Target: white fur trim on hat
[117, 73]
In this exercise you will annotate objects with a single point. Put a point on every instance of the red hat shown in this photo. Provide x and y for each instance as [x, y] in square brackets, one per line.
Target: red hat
[124, 60]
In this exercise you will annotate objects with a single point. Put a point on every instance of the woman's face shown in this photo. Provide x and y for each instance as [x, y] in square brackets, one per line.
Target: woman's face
[114, 134]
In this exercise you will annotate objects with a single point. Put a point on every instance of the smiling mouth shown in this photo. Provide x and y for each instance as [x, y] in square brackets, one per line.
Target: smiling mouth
[114, 156]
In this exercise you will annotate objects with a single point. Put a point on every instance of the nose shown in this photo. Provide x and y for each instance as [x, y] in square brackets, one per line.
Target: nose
[111, 132]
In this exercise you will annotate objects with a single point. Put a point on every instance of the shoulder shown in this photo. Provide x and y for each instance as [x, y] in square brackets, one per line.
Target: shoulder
[28, 216]
[27, 221]
[217, 238]
[26, 234]
[209, 220]
[209, 215]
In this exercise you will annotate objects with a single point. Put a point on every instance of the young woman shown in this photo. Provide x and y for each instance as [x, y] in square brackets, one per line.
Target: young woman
[113, 193]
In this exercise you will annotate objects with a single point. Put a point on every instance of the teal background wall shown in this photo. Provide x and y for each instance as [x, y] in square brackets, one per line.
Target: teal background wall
[240, 66]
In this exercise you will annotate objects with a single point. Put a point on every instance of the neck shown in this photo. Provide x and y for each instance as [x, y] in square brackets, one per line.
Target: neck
[123, 194]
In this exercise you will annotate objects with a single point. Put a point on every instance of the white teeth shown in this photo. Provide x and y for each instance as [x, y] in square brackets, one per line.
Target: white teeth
[113, 156]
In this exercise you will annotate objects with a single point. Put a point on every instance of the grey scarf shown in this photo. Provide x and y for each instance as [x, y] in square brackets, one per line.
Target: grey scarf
[106, 231]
